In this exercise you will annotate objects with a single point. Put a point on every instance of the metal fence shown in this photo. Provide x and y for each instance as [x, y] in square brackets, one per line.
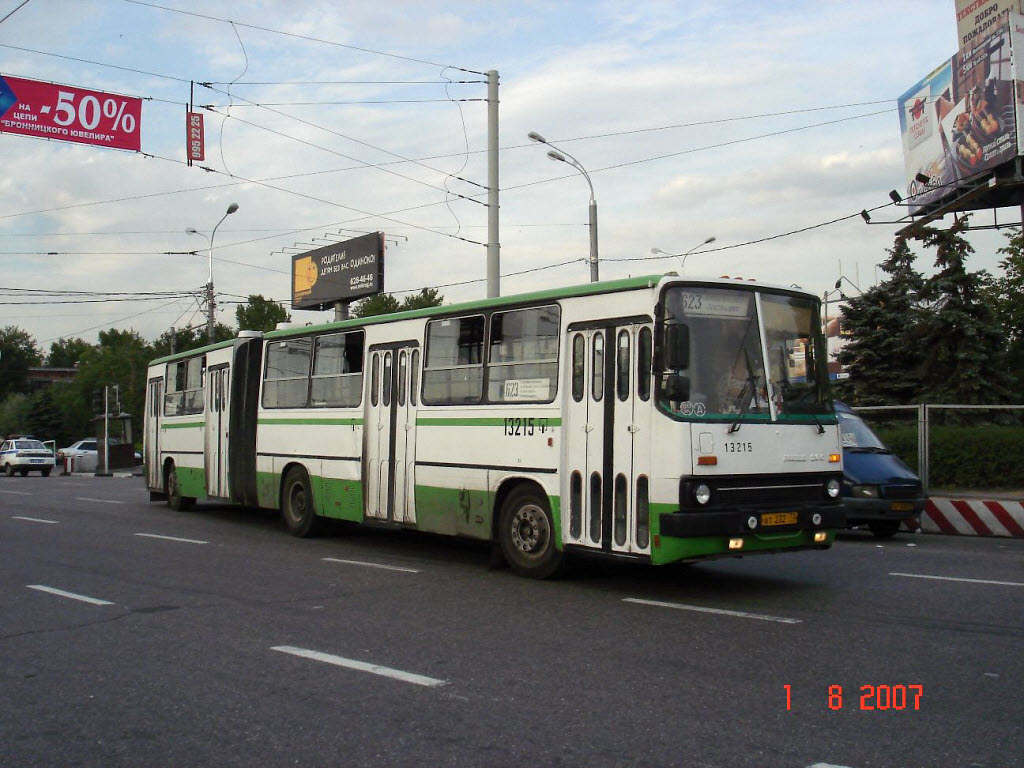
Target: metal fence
[923, 422]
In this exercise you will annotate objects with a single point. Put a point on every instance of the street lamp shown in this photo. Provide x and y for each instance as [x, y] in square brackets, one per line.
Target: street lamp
[682, 264]
[565, 157]
[210, 305]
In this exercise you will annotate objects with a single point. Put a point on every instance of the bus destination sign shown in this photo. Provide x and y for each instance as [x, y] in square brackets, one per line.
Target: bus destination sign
[338, 272]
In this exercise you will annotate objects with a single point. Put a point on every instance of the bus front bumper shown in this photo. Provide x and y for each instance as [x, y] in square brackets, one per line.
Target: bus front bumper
[738, 522]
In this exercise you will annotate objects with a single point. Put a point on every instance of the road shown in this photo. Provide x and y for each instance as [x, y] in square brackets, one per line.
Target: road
[134, 635]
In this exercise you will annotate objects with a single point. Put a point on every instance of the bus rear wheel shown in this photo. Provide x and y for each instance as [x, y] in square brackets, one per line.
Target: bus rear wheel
[175, 500]
[297, 505]
[526, 533]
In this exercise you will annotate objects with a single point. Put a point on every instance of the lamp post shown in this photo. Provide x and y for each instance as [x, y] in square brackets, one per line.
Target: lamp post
[682, 264]
[565, 157]
[210, 305]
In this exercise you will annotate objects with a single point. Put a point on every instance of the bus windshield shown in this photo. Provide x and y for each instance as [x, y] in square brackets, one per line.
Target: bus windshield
[714, 355]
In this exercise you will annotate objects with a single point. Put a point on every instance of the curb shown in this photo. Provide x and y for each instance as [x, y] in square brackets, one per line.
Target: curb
[973, 517]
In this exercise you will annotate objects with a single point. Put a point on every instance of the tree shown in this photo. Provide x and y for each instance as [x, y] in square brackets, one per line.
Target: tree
[260, 314]
[378, 304]
[186, 339]
[962, 344]
[18, 353]
[427, 297]
[121, 358]
[15, 411]
[883, 358]
[1006, 301]
[65, 353]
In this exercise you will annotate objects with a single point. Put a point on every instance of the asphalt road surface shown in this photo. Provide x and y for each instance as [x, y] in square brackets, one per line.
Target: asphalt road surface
[134, 635]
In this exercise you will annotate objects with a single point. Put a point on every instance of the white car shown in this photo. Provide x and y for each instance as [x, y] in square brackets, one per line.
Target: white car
[83, 452]
[24, 456]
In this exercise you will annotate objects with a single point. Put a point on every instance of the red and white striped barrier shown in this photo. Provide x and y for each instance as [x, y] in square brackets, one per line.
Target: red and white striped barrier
[973, 517]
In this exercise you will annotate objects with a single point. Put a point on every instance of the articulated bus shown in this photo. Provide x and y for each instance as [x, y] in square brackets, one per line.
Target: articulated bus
[655, 418]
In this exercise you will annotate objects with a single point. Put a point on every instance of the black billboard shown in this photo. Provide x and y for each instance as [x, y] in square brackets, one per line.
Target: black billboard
[338, 272]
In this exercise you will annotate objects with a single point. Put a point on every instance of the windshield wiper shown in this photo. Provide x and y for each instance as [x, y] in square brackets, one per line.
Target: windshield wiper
[744, 398]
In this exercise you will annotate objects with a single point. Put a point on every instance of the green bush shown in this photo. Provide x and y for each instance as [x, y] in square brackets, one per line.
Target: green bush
[965, 457]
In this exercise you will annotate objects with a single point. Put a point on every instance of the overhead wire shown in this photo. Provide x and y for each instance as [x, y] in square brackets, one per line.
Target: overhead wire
[299, 37]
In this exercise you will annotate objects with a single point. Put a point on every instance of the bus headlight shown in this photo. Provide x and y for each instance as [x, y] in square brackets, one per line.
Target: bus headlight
[832, 488]
[702, 494]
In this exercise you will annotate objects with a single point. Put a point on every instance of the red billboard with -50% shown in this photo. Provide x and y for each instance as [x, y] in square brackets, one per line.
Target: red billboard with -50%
[67, 113]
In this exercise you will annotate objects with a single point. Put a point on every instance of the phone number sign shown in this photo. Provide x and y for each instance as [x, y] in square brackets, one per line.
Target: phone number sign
[67, 113]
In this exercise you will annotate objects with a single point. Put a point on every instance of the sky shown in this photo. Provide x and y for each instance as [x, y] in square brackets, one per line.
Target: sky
[737, 120]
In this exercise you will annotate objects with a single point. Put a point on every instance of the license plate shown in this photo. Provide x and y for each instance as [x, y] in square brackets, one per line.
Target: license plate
[902, 506]
[35, 461]
[778, 518]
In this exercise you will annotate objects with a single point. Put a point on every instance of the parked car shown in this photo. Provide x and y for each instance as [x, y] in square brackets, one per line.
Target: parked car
[24, 456]
[879, 490]
[83, 452]
[86, 455]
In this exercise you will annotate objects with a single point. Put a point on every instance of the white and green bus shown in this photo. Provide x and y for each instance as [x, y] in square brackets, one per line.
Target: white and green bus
[653, 418]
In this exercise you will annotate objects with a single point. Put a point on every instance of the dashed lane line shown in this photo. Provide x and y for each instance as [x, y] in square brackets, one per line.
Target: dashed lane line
[361, 666]
[69, 595]
[17, 493]
[954, 578]
[719, 611]
[99, 501]
[370, 565]
[34, 519]
[171, 538]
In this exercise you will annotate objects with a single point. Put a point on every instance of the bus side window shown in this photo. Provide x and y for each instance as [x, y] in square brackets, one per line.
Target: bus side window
[622, 366]
[375, 379]
[597, 369]
[403, 374]
[414, 377]
[579, 363]
[643, 364]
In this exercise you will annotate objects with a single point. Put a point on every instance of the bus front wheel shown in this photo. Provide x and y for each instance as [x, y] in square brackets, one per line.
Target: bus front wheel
[297, 504]
[527, 535]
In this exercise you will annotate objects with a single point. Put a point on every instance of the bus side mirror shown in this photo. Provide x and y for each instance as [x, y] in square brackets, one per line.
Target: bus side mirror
[677, 388]
[677, 346]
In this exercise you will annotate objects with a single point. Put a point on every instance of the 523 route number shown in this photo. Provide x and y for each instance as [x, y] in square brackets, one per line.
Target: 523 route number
[519, 427]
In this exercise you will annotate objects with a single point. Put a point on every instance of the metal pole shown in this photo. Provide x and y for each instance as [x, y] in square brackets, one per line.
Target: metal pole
[593, 240]
[922, 446]
[340, 311]
[210, 309]
[493, 244]
[106, 430]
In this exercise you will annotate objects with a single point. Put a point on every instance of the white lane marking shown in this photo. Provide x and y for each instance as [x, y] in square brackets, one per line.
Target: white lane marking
[370, 565]
[362, 666]
[17, 493]
[34, 519]
[952, 578]
[826, 765]
[101, 501]
[720, 611]
[171, 538]
[71, 595]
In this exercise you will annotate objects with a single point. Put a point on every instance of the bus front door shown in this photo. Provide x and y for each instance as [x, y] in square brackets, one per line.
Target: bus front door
[607, 436]
[390, 449]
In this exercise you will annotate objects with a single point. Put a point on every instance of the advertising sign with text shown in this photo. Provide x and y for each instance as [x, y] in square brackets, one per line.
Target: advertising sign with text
[977, 19]
[194, 138]
[960, 121]
[338, 272]
[67, 113]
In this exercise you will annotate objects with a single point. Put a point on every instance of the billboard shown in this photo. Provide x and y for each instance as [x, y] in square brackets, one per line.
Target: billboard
[977, 19]
[961, 120]
[67, 113]
[338, 272]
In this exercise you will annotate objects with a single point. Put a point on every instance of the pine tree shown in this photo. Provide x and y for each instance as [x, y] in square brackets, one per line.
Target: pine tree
[962, 342]
[882, 359]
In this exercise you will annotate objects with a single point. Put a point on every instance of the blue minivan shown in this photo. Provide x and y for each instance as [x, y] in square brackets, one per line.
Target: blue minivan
[879, 490]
